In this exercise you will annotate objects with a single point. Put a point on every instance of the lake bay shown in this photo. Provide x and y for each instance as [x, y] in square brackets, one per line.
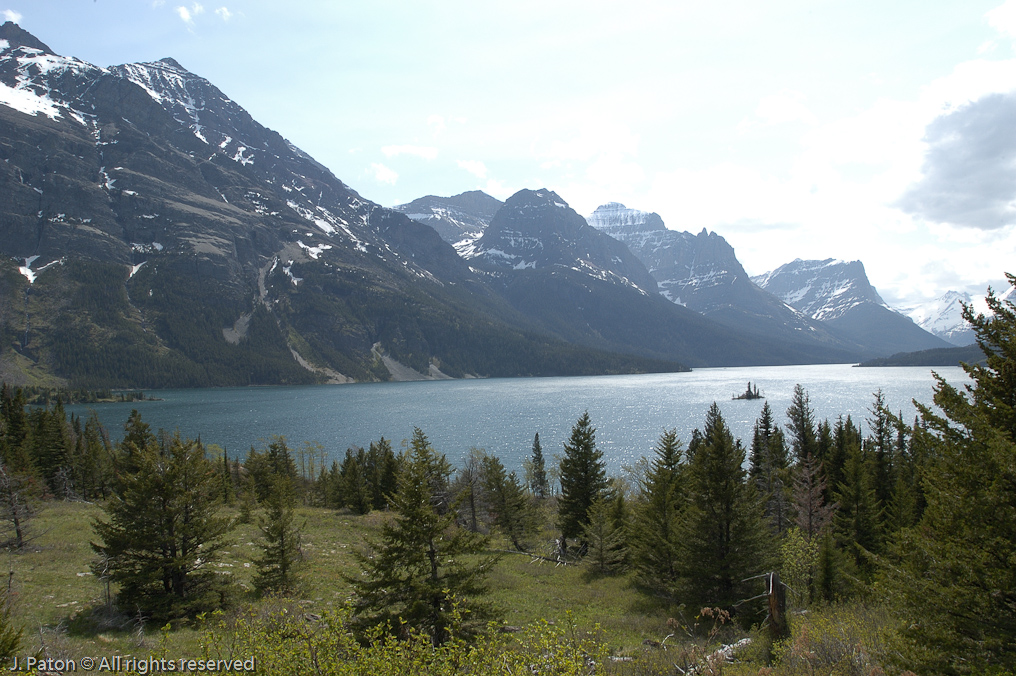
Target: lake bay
[502, 415]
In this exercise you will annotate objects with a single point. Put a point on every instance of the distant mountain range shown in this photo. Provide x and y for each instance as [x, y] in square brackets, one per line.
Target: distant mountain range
[838, 294]
[156, 235]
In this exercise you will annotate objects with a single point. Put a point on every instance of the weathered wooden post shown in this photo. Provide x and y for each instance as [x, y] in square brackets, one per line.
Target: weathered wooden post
[778, 627]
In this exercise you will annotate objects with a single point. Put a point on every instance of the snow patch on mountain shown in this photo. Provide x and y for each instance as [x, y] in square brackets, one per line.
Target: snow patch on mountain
[32, 71]
[943, 317]
[821, 289]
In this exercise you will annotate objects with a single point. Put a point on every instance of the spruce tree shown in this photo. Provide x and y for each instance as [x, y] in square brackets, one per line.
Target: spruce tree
[279, 542]
[510, 509]
[538, 484]
[803, 436]
[857, 517]
[162, 534]
[424, 564]
[952, 577]
[724, 536]
[656, 537]
[354, 490]
[605, 536]
[583, 478]
[769, 469]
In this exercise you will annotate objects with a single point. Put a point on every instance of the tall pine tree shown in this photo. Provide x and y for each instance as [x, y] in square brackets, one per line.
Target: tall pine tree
[656, 534]
[953, 577]
[724, 536]
[583, 478]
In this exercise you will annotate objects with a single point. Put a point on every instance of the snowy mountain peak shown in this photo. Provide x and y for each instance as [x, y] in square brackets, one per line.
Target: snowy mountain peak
[822, 289]
[35, 81]
[943, 317]
[13, 36]
[616, 219]
[536, 229]
[460, 219]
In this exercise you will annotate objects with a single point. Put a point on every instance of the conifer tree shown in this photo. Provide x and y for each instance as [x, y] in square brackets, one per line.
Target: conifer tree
[279, 542]
[354, 489]
[953, 576]
[19, 493]
[468, 488]
[424, 563]
[605, 538]
[845, 436]
[538, 484]
[162, 534]
[803, 437]
[656, 537]
[880, 450]
[724, 537]
[583, 478]
[382, 472]
[857, 516]
[509, 507]
[813, 514]
[770, 471]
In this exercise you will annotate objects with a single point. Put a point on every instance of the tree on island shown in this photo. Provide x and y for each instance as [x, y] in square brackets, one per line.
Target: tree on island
[583, 478]
[425, 569]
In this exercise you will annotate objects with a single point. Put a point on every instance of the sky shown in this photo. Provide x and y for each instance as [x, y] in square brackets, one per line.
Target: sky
[813, 129]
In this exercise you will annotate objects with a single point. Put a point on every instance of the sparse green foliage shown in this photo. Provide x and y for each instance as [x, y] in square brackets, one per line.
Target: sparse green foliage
[11, 636]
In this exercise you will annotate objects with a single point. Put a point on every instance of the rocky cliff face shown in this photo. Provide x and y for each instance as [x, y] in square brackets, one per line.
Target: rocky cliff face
[460, 220]
[536, 229]
[839, 294]
[702, 273]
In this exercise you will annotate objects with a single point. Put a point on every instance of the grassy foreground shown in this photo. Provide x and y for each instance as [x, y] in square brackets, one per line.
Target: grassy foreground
[61, 604]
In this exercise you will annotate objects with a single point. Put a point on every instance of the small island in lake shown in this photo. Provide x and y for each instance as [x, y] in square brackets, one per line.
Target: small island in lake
[749, 393]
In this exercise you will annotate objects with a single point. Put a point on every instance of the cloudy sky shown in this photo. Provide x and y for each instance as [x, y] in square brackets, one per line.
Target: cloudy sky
[884, 132]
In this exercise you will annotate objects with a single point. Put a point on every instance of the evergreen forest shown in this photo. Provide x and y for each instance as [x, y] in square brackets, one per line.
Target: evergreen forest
[816, 546]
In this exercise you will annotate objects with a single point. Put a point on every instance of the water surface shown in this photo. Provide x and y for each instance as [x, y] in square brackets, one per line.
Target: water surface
[501, 415]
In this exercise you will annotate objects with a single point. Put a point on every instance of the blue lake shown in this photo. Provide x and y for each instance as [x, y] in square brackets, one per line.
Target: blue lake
[502, 415]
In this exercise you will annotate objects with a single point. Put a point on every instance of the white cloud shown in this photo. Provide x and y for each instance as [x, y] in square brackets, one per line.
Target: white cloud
[498, 189]
[786, 106]
[11, 15]
[474, 167]
[437, 122]
[187, 15]
[1003, 18]
[426, 152]
[224, 13]
[383, 174]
